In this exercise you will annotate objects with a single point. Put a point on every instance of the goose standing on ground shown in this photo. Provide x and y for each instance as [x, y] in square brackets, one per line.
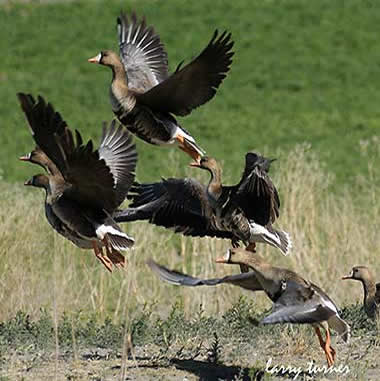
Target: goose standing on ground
[143, 94]
[83, 186]
[371, 289]
[193, 209]
[295, 299]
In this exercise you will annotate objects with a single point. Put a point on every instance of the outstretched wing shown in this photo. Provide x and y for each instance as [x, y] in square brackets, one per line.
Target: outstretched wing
[179, 204]
[142, 53]
[256, 194]
[92, 183]
[300, 304]
[194, 84]
[247, 281]
[120, 155]
[44, 123]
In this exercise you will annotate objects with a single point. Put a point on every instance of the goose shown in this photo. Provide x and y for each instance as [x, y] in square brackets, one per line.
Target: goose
[371, 289]
[242, 213]
[144, 96]
[295, 300]
[83, 186]
[249, 208]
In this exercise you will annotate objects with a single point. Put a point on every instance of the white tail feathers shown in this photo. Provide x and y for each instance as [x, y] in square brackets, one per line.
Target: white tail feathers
[286, 243]
[117, 238]
[279, 239]
[120, 242]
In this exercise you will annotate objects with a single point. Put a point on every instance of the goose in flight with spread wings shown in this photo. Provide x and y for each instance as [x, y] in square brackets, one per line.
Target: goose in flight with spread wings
[243, 212]
[83, 186]
[295, 300]
[144, 96]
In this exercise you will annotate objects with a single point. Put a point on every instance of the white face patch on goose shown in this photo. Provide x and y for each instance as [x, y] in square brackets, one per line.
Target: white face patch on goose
[99, 57]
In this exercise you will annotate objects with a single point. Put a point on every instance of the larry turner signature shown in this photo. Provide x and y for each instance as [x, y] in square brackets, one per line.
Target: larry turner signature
[310, 369]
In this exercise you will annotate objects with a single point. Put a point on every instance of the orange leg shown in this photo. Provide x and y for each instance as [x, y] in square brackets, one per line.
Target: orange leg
[117, 258]
[329, 347]
[325, 345]
[113, 255]
[102, 258]
[251, 247]
[188, 149]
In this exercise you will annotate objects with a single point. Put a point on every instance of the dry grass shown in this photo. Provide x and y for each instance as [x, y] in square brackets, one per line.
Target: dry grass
[331, 233]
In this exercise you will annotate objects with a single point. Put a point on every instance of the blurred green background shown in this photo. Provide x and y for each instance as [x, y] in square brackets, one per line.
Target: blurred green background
[302, 71]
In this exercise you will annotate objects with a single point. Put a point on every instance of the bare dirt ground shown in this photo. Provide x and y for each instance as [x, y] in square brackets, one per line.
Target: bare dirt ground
[200, 359]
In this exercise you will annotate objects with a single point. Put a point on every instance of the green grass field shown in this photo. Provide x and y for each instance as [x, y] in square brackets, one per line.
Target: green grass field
[302, 71]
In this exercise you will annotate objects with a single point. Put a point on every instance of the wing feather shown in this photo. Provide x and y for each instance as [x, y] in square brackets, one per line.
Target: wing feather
[247, 281]
[194, 84]
[179, 204]
[142, 53]
[256, 193]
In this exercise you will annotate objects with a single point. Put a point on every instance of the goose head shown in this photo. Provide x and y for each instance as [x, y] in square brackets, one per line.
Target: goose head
[360, 273]
[106, 58]
[39, 181]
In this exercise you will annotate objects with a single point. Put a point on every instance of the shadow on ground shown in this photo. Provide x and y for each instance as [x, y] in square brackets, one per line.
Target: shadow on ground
[206, 371]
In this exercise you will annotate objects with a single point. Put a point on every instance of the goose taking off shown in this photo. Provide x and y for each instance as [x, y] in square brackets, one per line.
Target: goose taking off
[144, 96]
[295, 300]
[83, 186]
[242, 212]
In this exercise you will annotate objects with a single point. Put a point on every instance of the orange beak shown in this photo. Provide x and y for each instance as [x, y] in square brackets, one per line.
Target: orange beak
[349, 276]
[225, 259]
[195, 164]
[24, 158]
[95, 59]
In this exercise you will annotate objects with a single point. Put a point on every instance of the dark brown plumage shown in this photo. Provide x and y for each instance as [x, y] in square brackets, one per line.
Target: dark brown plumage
[84, 186]
[295, 299]
[193, 209]
[248, 208]
[144, 96]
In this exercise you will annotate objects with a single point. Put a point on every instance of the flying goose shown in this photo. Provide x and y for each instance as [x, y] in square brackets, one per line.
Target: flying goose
[243, 212]
[83, 186]
[295, 300]
[144, 96]
[371, 289]
[249, 208]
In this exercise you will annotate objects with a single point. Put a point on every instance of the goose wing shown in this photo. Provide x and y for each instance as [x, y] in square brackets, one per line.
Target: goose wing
[300, 303]
[256, 194]
[247, 281]
[44, 123]
[142, 53]
[120, 155]
[179, 204]
[194, 84]
[99, 178]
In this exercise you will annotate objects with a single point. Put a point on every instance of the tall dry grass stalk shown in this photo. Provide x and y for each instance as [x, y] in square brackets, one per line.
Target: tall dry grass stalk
[330, 232]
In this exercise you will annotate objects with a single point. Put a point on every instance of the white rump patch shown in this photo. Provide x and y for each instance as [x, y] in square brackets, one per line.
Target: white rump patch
[102, 230]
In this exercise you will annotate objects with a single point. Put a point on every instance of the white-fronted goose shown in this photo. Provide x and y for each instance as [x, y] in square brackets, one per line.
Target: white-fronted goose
[371, 289]
[249, 208]
[243, 212]
[144, 96]
[84, 186]
[295, 299]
